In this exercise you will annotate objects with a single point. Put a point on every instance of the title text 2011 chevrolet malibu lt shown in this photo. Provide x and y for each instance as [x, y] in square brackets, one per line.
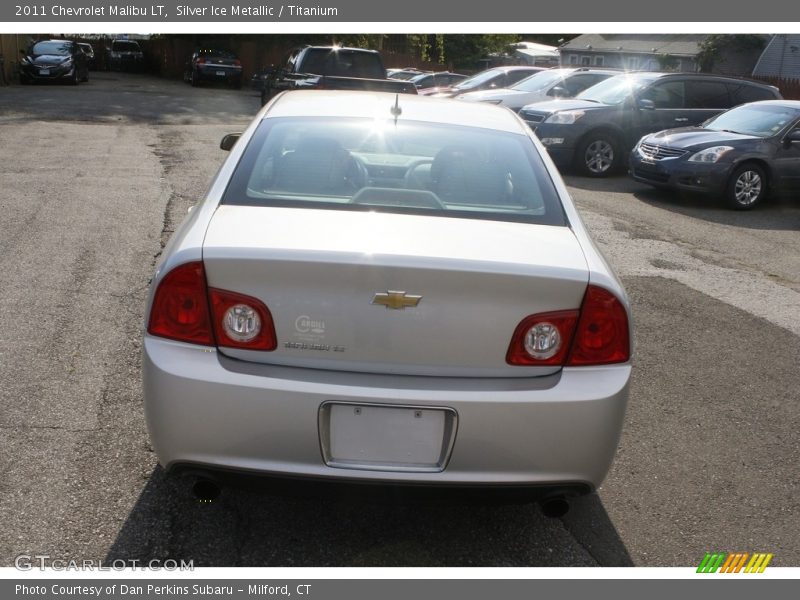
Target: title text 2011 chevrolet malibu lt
[388, 289]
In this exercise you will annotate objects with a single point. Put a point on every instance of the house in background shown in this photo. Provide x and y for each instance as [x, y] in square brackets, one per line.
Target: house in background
[531, 53]
[781, 58]
[661, 52]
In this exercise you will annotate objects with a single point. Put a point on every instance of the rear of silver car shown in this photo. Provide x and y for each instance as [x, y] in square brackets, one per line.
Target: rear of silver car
[365, 343]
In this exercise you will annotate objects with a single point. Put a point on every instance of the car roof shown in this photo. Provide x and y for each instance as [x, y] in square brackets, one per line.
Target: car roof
[683, 74]
[348, 48]
[352, 104]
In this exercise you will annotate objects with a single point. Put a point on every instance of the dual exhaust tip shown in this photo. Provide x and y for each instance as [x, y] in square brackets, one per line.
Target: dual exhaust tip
[207, 490]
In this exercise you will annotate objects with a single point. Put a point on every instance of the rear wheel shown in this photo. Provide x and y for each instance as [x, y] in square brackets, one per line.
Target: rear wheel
[598, 155]
[74, 80]
[746, 187]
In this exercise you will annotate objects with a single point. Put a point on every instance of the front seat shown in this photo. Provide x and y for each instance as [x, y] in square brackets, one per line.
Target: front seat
[319, 166]
[464, 175]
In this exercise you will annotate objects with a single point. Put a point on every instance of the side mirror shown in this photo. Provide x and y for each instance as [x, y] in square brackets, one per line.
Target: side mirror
[793, 137]
[229, 141]
[646, 104]
[559, 92]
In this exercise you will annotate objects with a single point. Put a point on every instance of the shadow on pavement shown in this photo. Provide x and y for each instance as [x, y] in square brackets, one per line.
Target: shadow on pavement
[779, 212]
[253, 527]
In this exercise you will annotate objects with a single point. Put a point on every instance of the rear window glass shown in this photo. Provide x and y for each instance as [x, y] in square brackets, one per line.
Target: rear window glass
[125, 47]
[742, 93]
[404, 167]
[342, 63]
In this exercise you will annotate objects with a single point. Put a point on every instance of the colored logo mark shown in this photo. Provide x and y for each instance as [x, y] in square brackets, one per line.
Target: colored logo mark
[734, 563]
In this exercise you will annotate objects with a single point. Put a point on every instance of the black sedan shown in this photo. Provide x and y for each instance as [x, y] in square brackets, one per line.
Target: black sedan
[214, 65]
[54, 60]
[740, 155]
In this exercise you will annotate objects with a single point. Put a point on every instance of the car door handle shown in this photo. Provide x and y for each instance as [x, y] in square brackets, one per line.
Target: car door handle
[681, 119]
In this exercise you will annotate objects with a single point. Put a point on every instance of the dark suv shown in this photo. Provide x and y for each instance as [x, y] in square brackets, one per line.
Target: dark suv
[596, 130]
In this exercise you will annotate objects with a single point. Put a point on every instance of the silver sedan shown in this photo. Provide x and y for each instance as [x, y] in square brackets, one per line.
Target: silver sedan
[393, 290]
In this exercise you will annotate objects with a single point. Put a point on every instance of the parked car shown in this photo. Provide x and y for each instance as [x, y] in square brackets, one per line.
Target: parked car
[54, 60]
[440, 79]
[326, 312]
[739, 155]
[332, 67]
[544, 85]
[497, 77]
[213, 64]
[125, 55]
[89, 52]
[596, 130]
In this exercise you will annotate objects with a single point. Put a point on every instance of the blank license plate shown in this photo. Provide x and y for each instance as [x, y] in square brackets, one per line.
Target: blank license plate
[221, 73]
[44, 71]
[386, 438]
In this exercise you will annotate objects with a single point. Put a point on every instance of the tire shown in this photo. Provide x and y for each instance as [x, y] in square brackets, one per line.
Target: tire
[746, 187]
[194, 80]
[599, 155]
[74, 80]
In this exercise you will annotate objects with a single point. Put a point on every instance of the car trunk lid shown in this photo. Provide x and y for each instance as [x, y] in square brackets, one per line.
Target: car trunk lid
[391, 293]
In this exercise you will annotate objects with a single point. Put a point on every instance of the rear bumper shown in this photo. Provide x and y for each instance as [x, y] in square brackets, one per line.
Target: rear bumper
[218, 73]
[205, 409]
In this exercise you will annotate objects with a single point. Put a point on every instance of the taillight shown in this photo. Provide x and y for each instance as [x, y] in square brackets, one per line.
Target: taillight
[241, 321]
[201, 60]
[542, 339]
[595, 335]
[184, 309]
[602, 336]
[237, 62]
[180, 306]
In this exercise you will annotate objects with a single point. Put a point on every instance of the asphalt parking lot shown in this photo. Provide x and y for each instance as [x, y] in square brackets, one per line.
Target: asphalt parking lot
[95, 178]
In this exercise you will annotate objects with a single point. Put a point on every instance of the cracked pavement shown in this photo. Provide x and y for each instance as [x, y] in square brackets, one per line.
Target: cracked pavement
[97, 177]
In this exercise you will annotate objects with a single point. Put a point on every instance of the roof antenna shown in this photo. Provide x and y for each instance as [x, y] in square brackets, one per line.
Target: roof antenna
[396, 110]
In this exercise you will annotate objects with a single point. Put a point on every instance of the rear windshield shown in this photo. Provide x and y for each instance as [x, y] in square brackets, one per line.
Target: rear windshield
[342, 63]
[404, 167]
[216, 53]
[125, 47]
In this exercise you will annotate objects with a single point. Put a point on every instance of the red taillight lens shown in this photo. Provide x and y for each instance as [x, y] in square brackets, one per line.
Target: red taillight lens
[237, 62]
[201, 60]
[542, 339]
[180, 306]
[595, 335]
[242, 321]
[601, 336]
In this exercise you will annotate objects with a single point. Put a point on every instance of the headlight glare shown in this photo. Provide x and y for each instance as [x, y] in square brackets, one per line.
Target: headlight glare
[710, 155]
[566, 117]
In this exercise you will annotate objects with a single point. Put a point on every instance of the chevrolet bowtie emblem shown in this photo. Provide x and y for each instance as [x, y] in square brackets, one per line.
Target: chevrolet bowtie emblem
[396, 300]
